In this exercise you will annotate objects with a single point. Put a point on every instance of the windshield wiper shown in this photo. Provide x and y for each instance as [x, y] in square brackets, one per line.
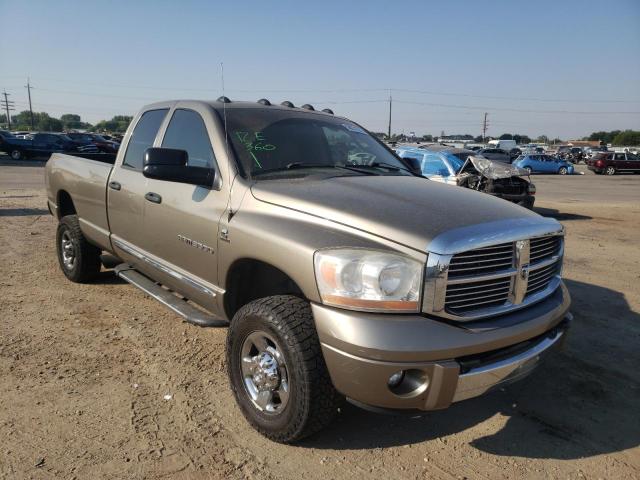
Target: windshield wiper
[388, 166]
[301, 165]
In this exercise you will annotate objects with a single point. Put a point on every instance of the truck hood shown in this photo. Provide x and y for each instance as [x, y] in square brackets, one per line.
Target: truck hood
[411, 211]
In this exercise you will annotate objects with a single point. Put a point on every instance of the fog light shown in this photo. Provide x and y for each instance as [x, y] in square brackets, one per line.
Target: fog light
[395, 379]
[408, 383]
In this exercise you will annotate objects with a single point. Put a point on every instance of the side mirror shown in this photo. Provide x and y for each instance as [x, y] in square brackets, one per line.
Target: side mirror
[170, 165]
[413, 164]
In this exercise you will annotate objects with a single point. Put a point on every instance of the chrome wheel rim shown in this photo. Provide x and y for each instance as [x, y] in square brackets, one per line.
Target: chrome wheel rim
[68, 251]
[264, 373]
[610, 170]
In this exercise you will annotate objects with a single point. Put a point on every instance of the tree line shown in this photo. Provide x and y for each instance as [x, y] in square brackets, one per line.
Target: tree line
[616, 137]
[43, 122]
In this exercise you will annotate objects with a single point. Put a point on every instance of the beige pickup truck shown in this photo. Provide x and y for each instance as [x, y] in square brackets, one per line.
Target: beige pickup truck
[339, 271]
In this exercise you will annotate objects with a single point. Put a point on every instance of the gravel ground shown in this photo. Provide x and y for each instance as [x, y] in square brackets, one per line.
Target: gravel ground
[100, 381]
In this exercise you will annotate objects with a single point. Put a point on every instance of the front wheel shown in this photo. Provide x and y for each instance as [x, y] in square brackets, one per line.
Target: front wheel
[563, 171]
[16, 154]
[610, 170]
[277, 371]
[529, 170]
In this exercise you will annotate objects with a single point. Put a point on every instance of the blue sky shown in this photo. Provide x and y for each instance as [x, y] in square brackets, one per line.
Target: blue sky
[562, 68]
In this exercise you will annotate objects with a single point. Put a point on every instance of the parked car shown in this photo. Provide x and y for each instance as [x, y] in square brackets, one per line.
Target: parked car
[43, 145]
[99, 141]
[455, 166]
[112, 138]
[6, 134]
[611, 163]
[335, 279]
[506, 145]
[495, 154]
[535, 163]
[23, 135]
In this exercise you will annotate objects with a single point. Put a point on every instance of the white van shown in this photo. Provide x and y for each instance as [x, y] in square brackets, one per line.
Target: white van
[506, 145]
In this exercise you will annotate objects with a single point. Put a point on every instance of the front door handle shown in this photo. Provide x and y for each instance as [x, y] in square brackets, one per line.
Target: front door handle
[115, 185]
[153, 197]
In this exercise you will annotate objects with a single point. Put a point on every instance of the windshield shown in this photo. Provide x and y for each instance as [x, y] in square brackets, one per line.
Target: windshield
[457, 159]
[279, 140]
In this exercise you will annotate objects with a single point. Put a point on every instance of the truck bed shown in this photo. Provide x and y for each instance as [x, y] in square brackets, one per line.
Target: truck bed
[84, 178]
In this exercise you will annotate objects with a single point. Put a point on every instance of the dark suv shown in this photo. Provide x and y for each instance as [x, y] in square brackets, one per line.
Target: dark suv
[612, 162]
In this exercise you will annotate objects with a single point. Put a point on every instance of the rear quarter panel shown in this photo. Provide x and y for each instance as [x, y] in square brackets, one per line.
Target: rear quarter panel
[85, 181]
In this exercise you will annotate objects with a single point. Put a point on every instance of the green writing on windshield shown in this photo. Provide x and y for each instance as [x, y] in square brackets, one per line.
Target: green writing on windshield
[254, 142]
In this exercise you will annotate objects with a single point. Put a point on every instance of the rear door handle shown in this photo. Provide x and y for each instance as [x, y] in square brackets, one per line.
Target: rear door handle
[115, 185]
[153, 197]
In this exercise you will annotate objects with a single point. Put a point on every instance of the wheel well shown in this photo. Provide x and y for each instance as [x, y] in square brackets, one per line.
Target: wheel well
[65, 204]
[250, 279]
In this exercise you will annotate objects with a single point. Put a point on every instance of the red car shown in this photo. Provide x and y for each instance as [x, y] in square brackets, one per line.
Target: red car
[612, 162]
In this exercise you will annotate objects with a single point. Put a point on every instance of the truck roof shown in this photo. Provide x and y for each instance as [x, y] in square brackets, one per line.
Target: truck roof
[221, 105]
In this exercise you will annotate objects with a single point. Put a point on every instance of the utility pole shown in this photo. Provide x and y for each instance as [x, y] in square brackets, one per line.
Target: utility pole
[484, 127]
[8, 106]
[29, 87]
[390, 102]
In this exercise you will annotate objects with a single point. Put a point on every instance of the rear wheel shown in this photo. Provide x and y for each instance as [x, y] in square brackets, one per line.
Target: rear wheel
[563, 171]
[79, 260]
[277, 371]
[610, 170]
[16, 155]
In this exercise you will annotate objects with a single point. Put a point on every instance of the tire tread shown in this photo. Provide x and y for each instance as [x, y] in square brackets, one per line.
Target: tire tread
[292, 317]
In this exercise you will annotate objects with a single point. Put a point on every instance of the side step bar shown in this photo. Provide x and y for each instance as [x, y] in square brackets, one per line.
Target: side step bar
[187, 311]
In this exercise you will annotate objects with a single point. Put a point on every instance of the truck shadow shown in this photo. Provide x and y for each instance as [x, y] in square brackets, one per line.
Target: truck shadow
[581, 402]
[6, 160]
[554, 213]
[22, 212]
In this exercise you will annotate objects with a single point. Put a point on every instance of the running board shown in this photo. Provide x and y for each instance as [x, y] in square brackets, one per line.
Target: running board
[187, 311]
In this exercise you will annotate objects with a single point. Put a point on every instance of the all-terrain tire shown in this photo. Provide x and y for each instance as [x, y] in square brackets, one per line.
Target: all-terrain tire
[78, 259]
[313, 402]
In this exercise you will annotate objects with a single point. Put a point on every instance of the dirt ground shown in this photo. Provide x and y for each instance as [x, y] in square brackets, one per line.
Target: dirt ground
[100, 381]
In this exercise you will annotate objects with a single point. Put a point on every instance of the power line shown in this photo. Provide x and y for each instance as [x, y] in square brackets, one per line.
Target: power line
[484, 127]
[29, 87]
[517, 110]
[8, 106]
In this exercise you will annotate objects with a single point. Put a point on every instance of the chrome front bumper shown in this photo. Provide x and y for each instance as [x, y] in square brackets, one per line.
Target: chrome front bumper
[487, 377]
[446, 363]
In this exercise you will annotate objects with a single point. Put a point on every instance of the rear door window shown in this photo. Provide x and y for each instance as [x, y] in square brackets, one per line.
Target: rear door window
[143, 136]
[187, 131]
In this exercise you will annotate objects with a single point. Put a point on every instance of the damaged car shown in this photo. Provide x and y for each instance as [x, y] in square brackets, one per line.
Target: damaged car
[455, 166]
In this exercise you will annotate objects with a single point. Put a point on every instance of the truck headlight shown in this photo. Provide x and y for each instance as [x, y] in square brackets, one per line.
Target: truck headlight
[368, 280]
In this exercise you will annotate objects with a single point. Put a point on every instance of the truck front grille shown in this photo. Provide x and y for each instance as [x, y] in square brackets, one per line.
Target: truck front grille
[495, 279]
[482, 260]
[463, 297]
[544, 247]
[539, 279]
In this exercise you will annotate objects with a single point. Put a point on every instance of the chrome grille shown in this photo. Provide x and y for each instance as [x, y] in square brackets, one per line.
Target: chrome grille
[539, 279]
[544, 247]
[482, 260]
[493, 279]
[462, 297]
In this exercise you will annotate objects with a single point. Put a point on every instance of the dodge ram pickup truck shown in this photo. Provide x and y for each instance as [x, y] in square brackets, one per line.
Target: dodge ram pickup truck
[337, 278]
